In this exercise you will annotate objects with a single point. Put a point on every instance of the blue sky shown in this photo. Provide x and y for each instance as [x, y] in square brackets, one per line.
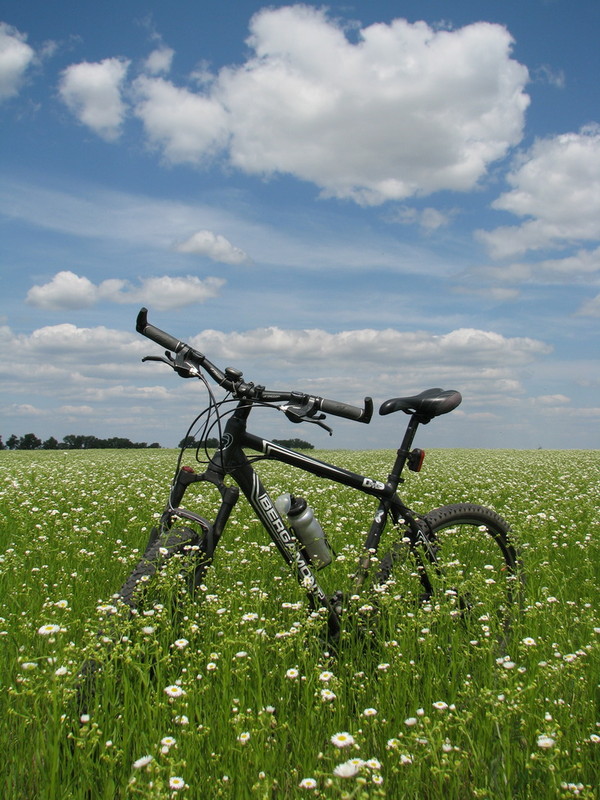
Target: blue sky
[368, 198]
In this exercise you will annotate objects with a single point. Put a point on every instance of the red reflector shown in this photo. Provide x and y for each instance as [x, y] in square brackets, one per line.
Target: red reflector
[187, 469]
[415, 459]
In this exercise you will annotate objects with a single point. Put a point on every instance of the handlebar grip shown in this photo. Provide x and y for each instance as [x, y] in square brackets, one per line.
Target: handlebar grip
[160, 337]
[349, 412]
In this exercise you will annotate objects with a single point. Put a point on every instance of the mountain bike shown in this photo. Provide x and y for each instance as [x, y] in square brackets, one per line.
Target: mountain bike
[460, 554]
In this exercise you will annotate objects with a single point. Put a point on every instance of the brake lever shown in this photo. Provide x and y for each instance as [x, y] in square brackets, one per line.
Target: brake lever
[305, 413]
[164, 359]
[177, 363]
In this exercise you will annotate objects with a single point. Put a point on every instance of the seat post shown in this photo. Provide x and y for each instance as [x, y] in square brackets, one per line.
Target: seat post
[394, 478]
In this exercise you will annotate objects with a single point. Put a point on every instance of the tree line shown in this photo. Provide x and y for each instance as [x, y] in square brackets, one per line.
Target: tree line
[72, 441]
[81, 442]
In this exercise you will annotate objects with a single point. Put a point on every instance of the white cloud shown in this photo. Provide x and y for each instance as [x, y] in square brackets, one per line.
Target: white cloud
[590, 308]
[15, 57]
[76, 411]
[213, 246]
[551, 399]
[159, 61]
[556, 188]
[67, 290]
[581, 267]
[429, 219]
[382, 347]
[382, 118]
[22, 410]
[92, 92]
[189, 127]
[66, 367]
[168, 293]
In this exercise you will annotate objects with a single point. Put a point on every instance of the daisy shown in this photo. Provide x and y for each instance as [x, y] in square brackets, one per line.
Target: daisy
[168, 741]
[346, 770]
[142, 762]
[308, 783]
[48, 630]
[176, 783]
[342, 739]
[545, 742]
[174, 691]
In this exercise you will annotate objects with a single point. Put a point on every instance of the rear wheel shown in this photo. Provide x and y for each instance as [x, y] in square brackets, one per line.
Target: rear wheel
[468, 559]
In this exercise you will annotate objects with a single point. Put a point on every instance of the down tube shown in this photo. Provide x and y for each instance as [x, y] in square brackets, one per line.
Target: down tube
[258, 497]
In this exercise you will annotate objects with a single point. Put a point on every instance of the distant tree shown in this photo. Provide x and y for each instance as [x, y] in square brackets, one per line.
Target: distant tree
[12, 442]
[50, 444]
[154, 444]
[73, 442]
[2, 445]
[29, 442]
[294, 444]
[188, 441]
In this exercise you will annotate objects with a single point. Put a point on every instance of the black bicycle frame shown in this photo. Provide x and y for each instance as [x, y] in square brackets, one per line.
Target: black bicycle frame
[231, 459]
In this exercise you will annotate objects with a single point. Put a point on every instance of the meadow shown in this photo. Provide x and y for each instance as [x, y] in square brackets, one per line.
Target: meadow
[235, 696]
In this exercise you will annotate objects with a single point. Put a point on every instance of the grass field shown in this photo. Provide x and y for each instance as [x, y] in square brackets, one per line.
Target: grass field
[235, 696]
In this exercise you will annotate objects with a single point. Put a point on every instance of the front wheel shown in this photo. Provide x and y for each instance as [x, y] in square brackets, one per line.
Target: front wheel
[466, 557]
[182, 544]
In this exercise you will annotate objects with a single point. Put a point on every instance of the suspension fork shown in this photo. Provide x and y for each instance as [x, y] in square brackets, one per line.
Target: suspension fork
[229, 497]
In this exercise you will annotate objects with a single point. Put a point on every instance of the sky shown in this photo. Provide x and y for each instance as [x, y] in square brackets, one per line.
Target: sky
[364, 198]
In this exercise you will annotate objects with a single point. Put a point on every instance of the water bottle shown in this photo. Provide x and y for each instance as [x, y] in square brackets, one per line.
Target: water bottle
[306, 529]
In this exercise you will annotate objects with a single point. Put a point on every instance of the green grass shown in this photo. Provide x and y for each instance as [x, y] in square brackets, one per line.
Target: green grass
[434, 708]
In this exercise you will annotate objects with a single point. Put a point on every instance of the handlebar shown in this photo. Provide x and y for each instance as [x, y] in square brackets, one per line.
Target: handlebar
[188, 361]
[160, 337]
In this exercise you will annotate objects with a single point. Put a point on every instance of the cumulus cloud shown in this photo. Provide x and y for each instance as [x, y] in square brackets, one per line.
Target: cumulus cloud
[102, 369]
[213, 246]
[377, 118]
[67, 290]
[159, 61]
[556, 189]
[429, 219]
[580, 267]
[382, 347]
[188, 127]
[590, 308]
[15, 57]
[93, 93]
[168, 293]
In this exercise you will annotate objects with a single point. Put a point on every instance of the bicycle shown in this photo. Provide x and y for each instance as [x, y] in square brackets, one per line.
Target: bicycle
[460, 553]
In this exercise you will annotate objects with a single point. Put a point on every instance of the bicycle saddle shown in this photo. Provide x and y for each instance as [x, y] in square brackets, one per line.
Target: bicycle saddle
[430, 403]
